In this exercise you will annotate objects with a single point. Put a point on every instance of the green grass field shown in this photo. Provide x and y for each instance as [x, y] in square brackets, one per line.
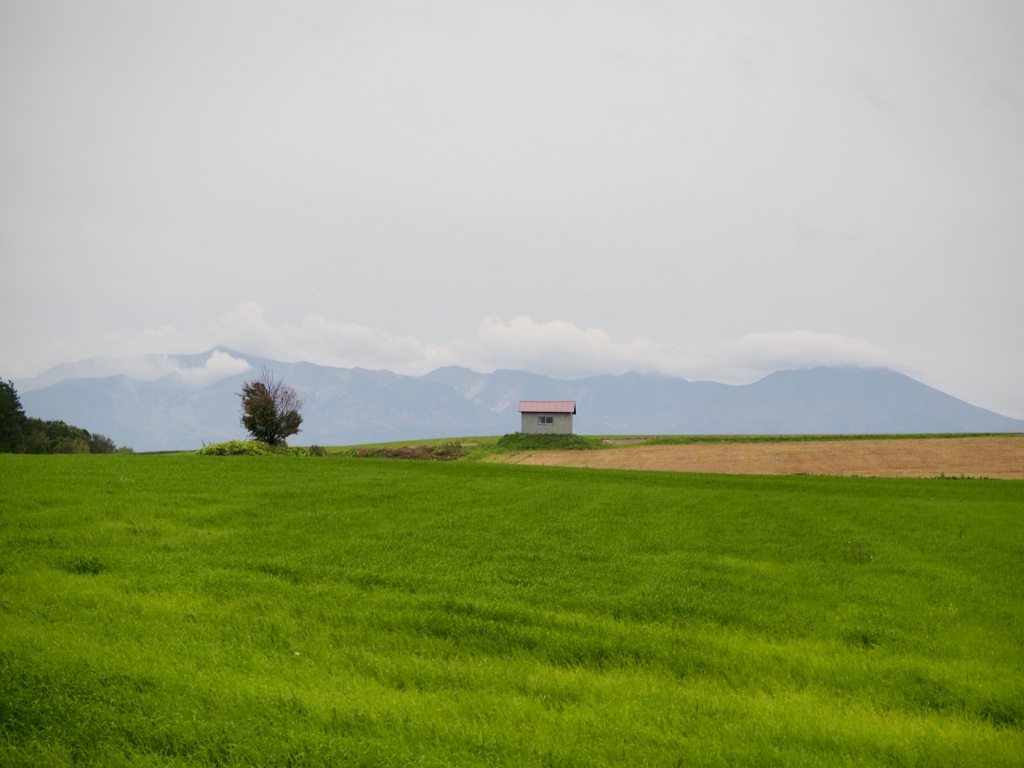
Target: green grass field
[191, 610]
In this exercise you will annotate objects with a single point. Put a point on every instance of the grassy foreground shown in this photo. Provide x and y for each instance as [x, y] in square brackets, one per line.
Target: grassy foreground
[189, 610]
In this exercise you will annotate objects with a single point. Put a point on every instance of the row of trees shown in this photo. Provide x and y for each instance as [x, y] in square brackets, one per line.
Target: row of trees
[23, 434]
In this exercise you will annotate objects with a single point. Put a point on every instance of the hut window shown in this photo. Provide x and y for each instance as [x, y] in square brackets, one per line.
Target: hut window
[545, 419]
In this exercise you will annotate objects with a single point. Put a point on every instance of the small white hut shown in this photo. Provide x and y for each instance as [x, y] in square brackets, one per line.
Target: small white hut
[547, 417]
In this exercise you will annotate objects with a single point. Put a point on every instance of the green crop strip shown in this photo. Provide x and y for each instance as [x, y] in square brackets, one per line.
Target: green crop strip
[190, 610]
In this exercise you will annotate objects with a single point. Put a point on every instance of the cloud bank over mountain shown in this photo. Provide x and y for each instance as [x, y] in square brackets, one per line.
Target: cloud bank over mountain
[557, 348]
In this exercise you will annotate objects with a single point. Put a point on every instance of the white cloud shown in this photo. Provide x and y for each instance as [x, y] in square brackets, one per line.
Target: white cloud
[218, 365]
[560, 348]
[557, 348]
[148, 367]
[319, 339]
[757, 354]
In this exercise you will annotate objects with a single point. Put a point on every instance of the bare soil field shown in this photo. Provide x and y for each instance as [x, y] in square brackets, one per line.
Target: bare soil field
[993, 457]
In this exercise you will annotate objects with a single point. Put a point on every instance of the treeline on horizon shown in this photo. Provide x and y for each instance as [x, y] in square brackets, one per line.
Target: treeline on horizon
[25, 434]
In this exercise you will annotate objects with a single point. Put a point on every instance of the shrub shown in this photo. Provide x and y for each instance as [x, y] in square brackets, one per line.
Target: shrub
[298, 450]
[447, 451]
[256, 448]
[236, 448]
[519, 441]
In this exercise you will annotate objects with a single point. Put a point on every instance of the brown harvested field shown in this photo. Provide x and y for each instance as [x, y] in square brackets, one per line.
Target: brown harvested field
[994, 457]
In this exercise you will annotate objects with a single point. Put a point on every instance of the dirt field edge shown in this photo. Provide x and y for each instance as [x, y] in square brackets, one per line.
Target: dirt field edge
[981, 457]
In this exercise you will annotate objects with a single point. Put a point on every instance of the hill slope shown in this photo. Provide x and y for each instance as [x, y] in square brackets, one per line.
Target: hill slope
[194, 404]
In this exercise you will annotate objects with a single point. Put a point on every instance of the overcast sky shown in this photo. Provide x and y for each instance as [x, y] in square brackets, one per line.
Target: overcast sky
[709, 189]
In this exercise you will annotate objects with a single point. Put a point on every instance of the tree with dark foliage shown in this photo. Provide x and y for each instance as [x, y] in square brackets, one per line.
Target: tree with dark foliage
[270, 409]
[12, 419]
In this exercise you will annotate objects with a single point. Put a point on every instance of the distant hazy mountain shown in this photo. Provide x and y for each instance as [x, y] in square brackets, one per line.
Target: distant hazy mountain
[171, 402]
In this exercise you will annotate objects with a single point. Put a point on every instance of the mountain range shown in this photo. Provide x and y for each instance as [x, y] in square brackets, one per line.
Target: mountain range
[172, 402]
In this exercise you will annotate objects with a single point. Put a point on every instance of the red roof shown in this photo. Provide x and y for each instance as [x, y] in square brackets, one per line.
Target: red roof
[547, 406]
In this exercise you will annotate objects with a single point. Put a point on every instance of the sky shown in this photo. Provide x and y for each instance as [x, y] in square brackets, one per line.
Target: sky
[714, 190]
